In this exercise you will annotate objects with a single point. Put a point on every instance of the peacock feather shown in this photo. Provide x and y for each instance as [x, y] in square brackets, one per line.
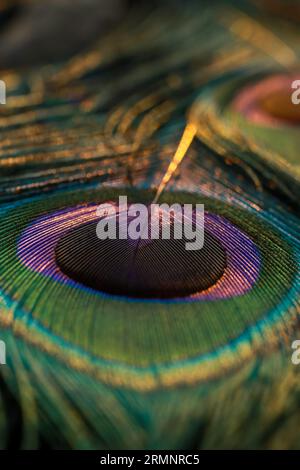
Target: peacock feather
[114, 345]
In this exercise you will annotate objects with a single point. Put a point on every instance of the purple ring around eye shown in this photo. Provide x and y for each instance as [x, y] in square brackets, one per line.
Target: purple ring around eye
[37, 243]
[248, 101]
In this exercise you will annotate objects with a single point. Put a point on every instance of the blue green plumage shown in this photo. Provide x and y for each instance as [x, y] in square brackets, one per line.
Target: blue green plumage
[211, 368]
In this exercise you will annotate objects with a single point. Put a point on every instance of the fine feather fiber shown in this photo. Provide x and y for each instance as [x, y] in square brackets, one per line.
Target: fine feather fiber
[115, 346]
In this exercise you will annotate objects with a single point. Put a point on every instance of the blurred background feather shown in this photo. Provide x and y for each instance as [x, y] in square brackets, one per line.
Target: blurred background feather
[99, 95]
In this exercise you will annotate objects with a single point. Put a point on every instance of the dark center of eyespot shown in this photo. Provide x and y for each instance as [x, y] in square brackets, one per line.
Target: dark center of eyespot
[279, 105]
[147, 269]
